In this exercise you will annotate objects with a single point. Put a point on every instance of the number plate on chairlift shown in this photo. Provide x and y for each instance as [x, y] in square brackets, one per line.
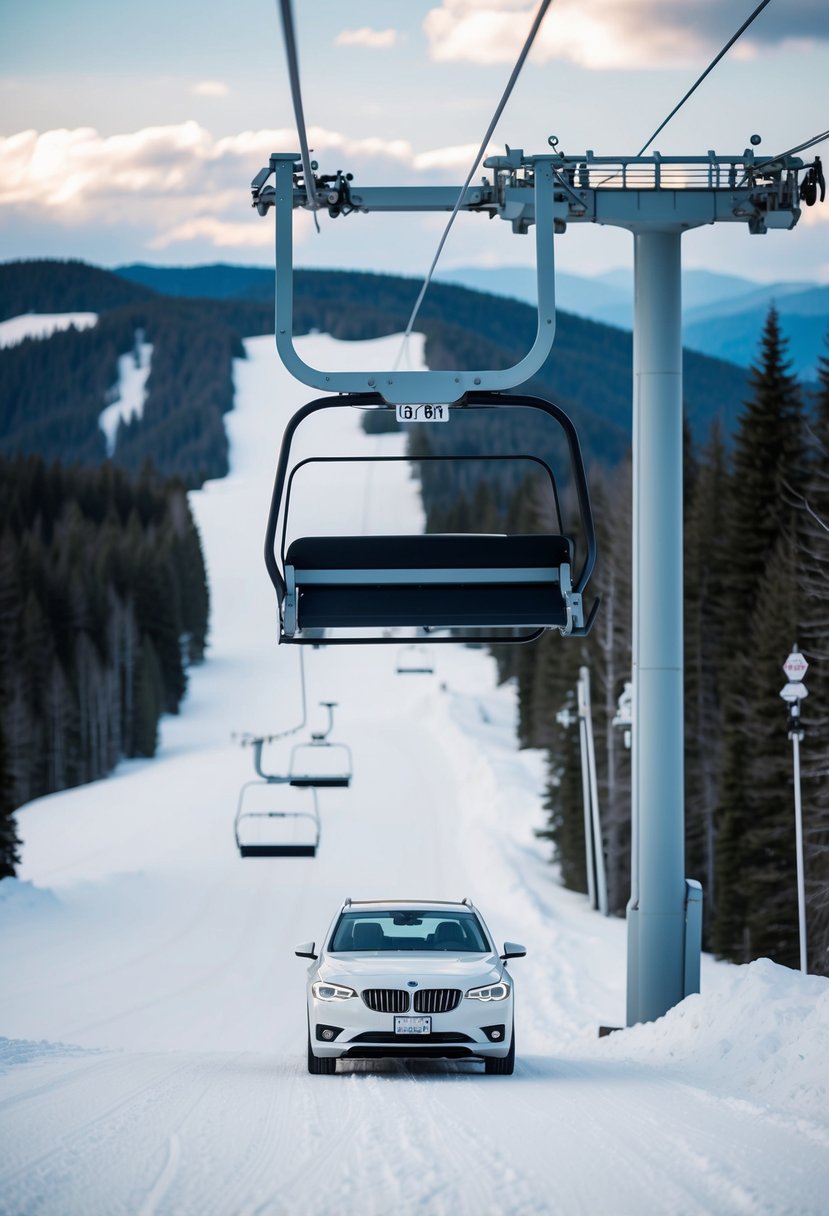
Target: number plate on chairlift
[422, 413]
[412, 1025]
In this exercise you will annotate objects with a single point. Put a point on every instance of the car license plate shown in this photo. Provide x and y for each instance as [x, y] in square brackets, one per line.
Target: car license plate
[412, 1025]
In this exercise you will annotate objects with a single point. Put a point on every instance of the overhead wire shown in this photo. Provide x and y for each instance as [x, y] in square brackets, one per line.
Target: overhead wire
[809, 143]
[289, 36]
[709, 69]
[516, 71]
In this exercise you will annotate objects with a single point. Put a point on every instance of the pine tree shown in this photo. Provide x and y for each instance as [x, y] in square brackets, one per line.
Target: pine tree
[706, 561]
[754, 798]
[9, 840]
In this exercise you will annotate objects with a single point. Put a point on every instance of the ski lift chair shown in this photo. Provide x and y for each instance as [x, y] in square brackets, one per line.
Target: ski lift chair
[413, 660]
[365, 586]
[254, 837]
[321, 763]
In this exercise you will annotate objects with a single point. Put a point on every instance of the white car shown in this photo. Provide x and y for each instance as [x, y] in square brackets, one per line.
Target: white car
[412, 980]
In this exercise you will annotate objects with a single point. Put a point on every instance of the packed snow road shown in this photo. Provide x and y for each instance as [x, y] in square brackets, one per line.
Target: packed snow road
[152, 1007]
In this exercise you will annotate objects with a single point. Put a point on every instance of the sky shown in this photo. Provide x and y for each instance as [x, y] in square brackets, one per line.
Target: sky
[131, 134]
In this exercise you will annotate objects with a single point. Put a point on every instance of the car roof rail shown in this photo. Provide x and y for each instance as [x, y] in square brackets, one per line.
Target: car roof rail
[347, 903]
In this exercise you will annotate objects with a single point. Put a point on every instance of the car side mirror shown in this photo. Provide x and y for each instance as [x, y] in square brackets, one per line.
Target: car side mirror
[513, 950]
[305, 950]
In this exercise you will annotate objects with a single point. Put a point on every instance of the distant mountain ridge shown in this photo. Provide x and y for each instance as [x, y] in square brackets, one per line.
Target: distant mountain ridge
[723, 315]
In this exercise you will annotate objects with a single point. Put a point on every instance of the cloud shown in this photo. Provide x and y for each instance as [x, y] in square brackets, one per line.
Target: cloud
[222, 234]
[179, 183]
[211, 88]
[615, 34]
[458, 159]
[375, 40]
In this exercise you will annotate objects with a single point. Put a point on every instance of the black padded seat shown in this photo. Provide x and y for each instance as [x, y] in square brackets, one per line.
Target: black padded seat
[439, 551]
[278, 850]
[502, 581]
[328, 783]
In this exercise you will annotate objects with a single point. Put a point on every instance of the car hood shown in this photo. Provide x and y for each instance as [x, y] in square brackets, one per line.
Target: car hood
[412, 965]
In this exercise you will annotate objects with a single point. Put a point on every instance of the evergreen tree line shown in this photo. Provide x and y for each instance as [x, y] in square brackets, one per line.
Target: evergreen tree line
[756, 581]
[103, 604]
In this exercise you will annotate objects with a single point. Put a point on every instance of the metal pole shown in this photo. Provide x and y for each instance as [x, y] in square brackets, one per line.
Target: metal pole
[795, 667]
[798, 829]
[585, 707]
[656, 974]
[589, 855]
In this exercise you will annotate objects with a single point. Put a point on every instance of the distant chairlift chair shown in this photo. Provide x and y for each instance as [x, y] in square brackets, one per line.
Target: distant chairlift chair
[367, 586]
[413, 660]
[248, 824]
[322, 763]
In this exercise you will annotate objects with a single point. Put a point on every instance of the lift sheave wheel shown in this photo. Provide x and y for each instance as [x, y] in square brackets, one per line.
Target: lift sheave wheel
[354, 589]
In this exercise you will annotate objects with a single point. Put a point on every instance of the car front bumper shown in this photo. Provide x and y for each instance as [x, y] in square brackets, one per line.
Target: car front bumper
[350, 1030]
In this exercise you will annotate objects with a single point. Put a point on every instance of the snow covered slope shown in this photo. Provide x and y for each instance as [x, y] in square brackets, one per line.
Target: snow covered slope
[42, 325]
[152, 1008]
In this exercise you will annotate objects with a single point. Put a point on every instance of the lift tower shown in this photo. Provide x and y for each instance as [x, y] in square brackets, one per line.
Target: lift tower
[656, 198]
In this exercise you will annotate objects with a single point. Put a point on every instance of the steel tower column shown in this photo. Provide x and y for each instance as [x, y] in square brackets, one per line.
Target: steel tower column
[657, 926]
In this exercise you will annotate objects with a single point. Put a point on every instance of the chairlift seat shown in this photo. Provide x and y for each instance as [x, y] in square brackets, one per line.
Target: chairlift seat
[278, 850]
[433, 580]
[319, 781]
[244, 832]
[307, 769]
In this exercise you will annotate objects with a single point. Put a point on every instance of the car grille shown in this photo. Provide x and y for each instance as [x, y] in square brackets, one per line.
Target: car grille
[386, 1000]
[437, 1000]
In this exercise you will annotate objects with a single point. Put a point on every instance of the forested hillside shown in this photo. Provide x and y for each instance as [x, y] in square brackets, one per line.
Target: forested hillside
[51, 395]
[756, 581]
[103, 603]
[589, 371]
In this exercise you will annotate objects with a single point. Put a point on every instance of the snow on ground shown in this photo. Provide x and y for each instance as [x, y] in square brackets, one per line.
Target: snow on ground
[152, 1007]
[42, 325]
[129, 392]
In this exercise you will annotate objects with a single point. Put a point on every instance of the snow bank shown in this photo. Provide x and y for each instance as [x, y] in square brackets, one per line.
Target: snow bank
[42, 325]
[20, 900]
[762, 1033]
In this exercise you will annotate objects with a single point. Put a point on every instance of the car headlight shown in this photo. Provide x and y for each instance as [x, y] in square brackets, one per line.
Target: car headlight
[492, 992]
[331, 992]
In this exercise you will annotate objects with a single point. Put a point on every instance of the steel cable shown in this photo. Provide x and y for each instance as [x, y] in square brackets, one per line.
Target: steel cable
[296, 97]
[516, 71]
[710, 68]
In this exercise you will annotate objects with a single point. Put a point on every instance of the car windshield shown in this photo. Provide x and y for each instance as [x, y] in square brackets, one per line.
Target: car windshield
[409, 929]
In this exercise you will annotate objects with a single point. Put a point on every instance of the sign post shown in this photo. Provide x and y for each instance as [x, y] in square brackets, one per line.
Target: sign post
[795, 669]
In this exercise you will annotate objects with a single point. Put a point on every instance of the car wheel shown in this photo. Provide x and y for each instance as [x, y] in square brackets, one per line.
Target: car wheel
[502, 1066]
[320, 1066]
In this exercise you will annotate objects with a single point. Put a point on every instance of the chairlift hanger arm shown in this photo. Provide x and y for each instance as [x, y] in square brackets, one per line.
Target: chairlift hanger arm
[407, 387]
